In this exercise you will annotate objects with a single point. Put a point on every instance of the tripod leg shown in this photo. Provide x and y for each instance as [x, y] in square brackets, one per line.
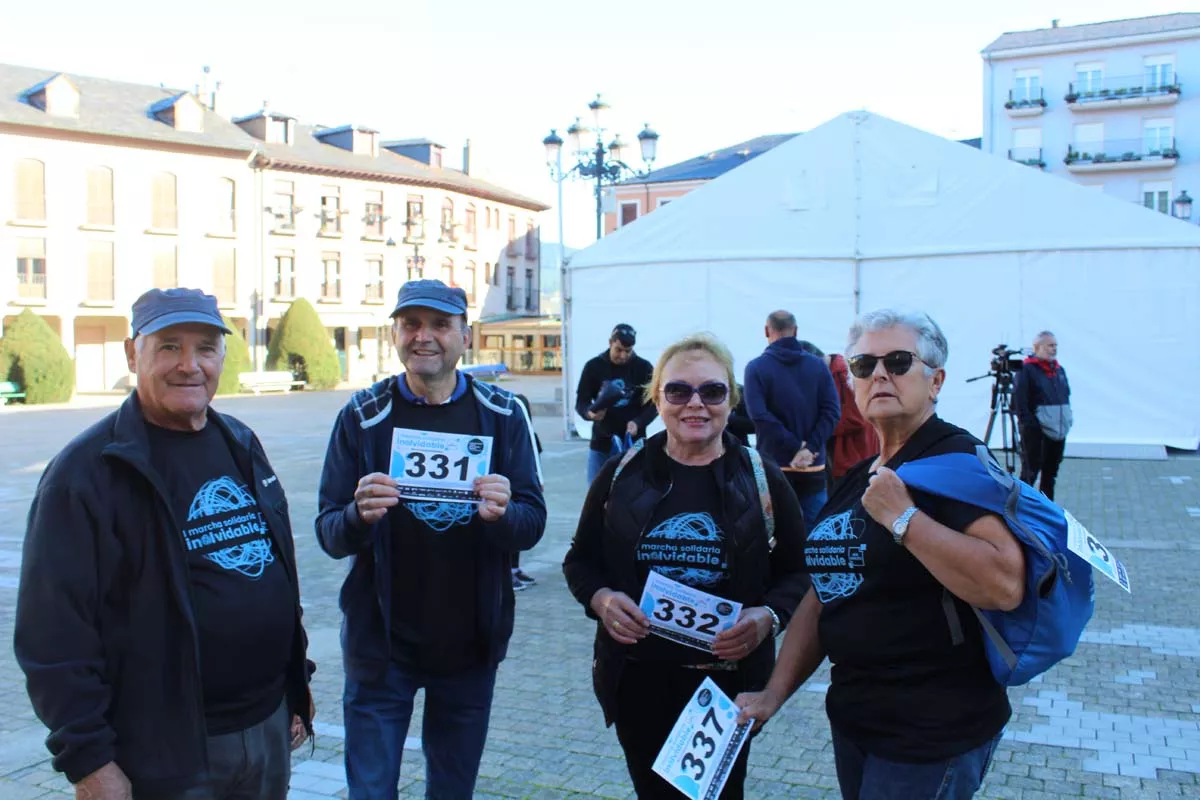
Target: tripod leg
[987, 436]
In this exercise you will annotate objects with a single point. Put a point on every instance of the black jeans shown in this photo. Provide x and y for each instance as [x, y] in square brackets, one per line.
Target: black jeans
[1040, 454]
[649, 700]
[254, 764]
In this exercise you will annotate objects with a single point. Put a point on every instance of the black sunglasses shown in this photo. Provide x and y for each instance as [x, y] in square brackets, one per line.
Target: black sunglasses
[679, 393]
[896, 362]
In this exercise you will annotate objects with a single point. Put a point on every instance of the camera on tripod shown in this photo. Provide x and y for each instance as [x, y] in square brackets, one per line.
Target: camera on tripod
[1005, 359]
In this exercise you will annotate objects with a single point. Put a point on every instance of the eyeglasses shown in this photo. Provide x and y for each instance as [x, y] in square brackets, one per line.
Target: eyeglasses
[679, 393]
[897, 362]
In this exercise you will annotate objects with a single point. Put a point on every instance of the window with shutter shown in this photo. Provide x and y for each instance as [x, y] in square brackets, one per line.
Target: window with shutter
[166, 274]
[31, 190]
[100, 287]
[100, 196]
[164, 216]
[31, 268]
[225, 275]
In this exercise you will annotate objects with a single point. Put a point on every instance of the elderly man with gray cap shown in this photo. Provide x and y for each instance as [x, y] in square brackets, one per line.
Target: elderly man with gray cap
[430, 485]
[158, 618]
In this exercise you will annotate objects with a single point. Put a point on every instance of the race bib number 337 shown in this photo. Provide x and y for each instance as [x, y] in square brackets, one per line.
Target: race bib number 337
[440, 467]
[704, 744]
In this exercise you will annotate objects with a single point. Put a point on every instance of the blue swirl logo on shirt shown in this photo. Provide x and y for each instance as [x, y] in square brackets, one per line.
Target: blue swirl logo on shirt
[226, 527]
[835, 543]
[688, 548]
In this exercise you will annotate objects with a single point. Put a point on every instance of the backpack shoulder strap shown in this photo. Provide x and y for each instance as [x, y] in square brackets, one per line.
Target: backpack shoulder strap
[764, 494]
[626, 457]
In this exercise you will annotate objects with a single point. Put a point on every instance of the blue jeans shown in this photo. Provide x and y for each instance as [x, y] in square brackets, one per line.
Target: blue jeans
[455, 727]
[866, 777]
[596, 461]
[811, 505]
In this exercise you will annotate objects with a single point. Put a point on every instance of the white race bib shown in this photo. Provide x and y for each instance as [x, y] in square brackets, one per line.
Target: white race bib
[699, 753]
[441, 467]
[682, 614]
[1088, 547]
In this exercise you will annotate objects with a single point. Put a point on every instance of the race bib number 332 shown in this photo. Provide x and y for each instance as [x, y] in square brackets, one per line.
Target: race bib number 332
[439, 467]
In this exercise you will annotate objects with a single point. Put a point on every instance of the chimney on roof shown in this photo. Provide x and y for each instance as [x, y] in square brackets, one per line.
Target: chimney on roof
[466, 165]
[1053, 23]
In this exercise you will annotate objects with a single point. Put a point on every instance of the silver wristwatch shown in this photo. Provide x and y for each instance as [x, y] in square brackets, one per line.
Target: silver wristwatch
[900, 526]
[775, 626]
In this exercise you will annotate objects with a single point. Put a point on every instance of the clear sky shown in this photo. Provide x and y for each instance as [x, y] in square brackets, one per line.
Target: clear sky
[704, 74]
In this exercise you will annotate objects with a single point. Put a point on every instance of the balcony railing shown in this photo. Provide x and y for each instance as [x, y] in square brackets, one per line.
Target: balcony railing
[1118, 151]
[1026, 98]
[331, 290]
[1120, 88]
[285, 287]
[513, 299]
[520, 359]
[226, 294]
[531, 302]
[374, 291]
[31, 286]
[1030, 156]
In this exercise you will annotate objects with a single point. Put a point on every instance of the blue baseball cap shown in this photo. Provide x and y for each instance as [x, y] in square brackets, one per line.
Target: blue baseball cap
[162, 308]
[431, 294]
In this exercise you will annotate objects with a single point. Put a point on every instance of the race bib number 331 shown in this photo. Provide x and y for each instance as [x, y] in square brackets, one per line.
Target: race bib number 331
[440, 467]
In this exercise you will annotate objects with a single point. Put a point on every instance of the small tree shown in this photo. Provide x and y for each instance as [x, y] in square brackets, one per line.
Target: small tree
[237, 360]
[300, 344]
[32, 355]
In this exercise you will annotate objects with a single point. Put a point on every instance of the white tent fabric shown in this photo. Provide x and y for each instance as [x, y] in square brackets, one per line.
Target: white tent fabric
[864, 213]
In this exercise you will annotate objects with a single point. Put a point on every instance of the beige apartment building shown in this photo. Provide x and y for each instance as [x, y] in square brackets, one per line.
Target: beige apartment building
[113, 188]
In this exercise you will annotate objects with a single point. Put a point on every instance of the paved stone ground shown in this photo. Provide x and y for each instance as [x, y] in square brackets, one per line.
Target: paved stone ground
[1121, 719]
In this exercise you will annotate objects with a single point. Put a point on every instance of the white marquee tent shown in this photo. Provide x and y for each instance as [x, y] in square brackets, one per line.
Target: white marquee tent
[863, 213]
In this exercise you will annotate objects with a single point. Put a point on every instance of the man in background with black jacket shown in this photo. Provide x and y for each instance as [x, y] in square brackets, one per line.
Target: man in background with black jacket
[610, 396]
[158, 615]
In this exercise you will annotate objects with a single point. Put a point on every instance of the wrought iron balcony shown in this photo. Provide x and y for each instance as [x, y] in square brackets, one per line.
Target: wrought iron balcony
[1029, 156]
[1119, 154]
[1122, 90]
[1025, 102]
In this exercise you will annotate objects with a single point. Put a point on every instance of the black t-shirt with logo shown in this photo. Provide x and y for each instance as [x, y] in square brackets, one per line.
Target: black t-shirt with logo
[900, 687]
[242, 599]
[434, 559]
[685, 542]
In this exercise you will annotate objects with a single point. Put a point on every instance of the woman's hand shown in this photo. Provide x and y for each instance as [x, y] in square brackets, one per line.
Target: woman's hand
[886, 497]
[621, 617]
[757, 706]
[752, 628]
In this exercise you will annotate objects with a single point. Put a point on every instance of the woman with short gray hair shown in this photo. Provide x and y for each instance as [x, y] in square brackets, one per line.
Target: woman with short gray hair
[914, 709]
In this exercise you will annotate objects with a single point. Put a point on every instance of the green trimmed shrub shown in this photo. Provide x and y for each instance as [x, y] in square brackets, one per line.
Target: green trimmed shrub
[32, 355]
[237, 360]
[300, 344]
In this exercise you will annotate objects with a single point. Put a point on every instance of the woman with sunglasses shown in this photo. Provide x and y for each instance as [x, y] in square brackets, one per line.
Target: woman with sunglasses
[687, 506]
[913, 706]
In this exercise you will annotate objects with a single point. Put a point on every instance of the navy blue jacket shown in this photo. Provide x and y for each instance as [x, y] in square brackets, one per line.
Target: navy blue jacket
[361, 443]
[1033, 388]
[105, 631]
[792, 399]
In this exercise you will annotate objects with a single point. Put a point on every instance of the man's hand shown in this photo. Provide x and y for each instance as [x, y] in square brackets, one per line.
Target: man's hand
[376, 493]
[757, 706]
[632, 429]
[622, 618]
[106, 783]
[298, 734]
[803, 458]
[596, 416]
[752, 628]
[495, 492]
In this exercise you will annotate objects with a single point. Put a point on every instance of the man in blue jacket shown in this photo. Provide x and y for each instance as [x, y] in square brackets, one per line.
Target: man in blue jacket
[1042, 398]
[158, 615]
[794, 403]
[428, 602]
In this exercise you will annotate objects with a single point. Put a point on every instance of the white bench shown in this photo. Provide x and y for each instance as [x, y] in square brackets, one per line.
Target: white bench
[259, 382]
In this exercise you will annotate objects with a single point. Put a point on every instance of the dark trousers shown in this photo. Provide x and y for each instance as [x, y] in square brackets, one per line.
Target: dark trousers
[376, 715]
[650, 698]
[254, 764]
[1040, 454]
[863, 776]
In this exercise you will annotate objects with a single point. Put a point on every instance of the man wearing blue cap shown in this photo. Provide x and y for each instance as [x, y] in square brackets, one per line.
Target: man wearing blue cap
[430, 485]
[158, 615]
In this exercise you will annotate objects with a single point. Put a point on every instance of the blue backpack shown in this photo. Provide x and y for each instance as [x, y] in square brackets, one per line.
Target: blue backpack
[1059, 590]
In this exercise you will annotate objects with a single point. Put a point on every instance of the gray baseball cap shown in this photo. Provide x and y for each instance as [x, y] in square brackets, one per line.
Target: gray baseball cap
[162, 308]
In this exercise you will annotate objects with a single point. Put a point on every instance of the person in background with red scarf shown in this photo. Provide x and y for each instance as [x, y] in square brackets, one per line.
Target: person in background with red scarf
[1042, 398]
[853, 439]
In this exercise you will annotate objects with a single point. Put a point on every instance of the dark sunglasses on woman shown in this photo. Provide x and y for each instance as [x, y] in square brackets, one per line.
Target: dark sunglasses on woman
[896, 362]
[679, 393]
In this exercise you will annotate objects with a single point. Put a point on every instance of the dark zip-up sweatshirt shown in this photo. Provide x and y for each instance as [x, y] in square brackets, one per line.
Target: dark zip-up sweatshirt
[792, 399]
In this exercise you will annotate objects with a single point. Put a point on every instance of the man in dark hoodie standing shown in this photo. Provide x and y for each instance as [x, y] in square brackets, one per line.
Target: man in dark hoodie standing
[428, 601]
[1042, 398]
[792, 399]
[610, 396]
